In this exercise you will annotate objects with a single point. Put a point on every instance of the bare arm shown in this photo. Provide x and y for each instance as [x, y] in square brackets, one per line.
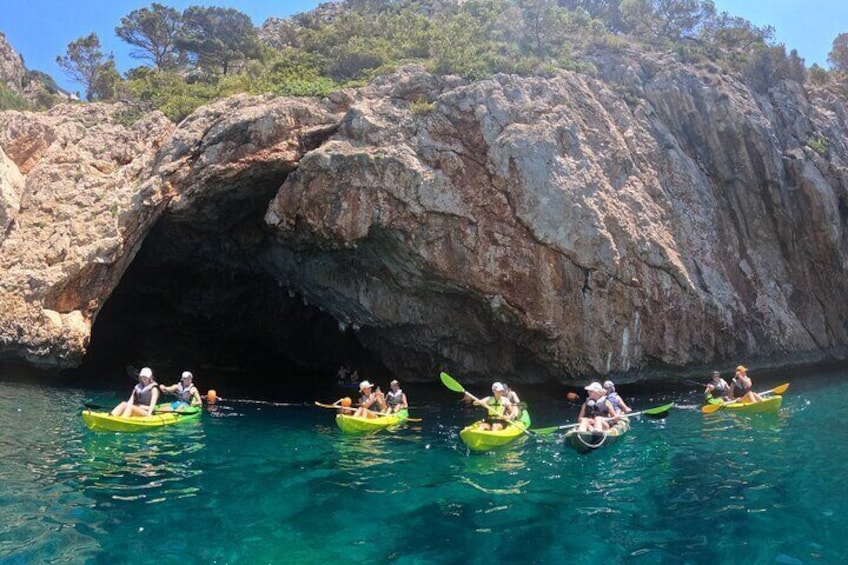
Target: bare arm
[195, 397]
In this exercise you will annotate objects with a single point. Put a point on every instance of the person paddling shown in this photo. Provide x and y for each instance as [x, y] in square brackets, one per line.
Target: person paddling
[396, 398]
[741, 386]
[187, 394]
[500, 409]
[143, 398]
[595, 411]
[717, 387]
[615, 399]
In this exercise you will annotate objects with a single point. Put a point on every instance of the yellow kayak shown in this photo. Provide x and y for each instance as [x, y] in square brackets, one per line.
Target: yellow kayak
[484, 440]
[356, 425]
[105, 422]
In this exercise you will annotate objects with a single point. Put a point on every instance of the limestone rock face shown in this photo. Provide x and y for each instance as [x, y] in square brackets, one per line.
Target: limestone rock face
[80, 220]
[11, 186]
[653, 216]
[12, 69]
[94, 188]
[556, 226]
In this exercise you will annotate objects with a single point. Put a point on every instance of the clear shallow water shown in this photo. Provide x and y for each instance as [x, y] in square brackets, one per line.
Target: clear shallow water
[255, 483]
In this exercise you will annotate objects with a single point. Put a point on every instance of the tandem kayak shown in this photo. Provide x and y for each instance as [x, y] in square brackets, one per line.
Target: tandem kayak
[584, 442]
[768, 405]
[484, 440]
[357, 425]
[105, 422]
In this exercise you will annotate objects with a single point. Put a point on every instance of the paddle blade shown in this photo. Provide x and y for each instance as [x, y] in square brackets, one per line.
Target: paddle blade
[545, 431]
[780, 389]
[659, 411]
[449, 382]
[710, 408]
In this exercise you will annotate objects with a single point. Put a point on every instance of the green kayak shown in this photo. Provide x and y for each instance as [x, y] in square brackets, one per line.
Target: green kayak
[584, 442]
[356, 425]
[105, 422]
[768, 405]
[484, 440]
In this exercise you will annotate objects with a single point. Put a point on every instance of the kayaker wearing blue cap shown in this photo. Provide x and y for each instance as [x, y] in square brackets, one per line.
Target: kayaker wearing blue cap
[595, 411]
[143, 398]
[187, 394]
[500, 409]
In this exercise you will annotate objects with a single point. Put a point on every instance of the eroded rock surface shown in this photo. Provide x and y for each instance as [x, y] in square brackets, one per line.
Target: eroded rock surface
[524, 228]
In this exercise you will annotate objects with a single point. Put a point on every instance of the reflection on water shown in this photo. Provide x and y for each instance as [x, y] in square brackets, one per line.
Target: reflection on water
[145, 466]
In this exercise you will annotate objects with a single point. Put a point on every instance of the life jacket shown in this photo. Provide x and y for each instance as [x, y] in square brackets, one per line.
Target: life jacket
[394, 398]
[497, 408]
[720, 390]
[739, 385]
[185, 393]
[144, 395]
[597, 407]
[614, 400]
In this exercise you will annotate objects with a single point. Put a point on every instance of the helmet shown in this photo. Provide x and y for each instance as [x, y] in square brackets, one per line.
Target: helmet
[741, 369]
[497, 387]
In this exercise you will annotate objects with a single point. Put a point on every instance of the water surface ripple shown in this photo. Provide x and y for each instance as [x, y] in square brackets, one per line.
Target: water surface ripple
[258, 483]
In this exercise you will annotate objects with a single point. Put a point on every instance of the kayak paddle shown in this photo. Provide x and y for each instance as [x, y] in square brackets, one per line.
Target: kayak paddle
[710, 408]
[449, 382]
[352, 409]
[657, 412]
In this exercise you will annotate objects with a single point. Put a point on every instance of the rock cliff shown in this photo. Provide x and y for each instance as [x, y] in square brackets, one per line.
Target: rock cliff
[655, 216]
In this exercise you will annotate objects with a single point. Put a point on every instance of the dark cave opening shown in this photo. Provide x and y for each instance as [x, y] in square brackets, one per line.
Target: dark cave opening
[195, 301]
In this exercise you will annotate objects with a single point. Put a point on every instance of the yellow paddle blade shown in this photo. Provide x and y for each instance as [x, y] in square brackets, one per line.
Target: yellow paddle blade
[710, 408]
[780, 389]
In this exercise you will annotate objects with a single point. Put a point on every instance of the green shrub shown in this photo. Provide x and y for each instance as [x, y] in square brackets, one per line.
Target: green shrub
[819, 145]
[11, 100]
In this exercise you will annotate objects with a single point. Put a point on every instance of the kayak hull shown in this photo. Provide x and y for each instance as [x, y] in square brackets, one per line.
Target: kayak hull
[484, 440]
[105, 422]
[769, 405]
[584, 442]
[355, 425]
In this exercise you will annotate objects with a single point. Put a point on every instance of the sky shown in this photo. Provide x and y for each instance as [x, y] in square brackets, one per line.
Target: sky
[40, 30]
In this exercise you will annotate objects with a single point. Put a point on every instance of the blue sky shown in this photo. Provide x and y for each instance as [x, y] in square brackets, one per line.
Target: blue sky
[41, 29]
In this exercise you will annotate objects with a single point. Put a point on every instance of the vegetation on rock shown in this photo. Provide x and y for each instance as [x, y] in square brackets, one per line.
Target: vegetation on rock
[205, 53]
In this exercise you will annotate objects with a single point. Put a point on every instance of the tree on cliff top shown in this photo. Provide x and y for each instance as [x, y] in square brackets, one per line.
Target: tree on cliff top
[218, 38]
[86, 64]
[154, 32]
[838, 56]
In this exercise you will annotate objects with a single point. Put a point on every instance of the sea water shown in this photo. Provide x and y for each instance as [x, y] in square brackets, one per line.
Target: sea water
[255, 482]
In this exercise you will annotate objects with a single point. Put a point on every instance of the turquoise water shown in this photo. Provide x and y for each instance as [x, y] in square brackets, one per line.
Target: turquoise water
[259, 483]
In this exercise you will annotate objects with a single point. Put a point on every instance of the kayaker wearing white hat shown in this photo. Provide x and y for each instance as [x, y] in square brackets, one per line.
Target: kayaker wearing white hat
[595, 411]
[498, 407]
[369, 402]
[143, 398]
[186, 392]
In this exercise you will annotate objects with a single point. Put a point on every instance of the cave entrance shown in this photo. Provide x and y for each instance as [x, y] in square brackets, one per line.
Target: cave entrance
[197, 301]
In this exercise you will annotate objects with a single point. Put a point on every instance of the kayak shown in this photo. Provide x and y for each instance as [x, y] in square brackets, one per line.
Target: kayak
[584, 442]
[484, 440]
[358, 425]
[768, 405]
[105, 422]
